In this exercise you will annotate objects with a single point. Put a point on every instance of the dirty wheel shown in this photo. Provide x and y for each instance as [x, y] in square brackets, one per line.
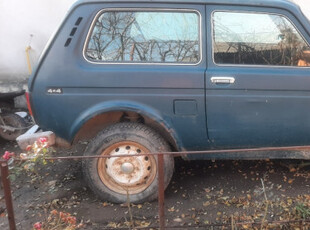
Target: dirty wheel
[12, 121]
[115, 177]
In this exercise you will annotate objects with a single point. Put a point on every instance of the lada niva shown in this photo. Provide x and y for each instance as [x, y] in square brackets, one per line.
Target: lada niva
[144, 76]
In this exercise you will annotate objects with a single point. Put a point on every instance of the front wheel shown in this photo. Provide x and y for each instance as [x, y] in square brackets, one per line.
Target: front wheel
[115, 177]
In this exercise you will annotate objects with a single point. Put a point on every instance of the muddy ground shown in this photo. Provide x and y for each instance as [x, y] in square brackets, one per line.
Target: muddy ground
[201, 193]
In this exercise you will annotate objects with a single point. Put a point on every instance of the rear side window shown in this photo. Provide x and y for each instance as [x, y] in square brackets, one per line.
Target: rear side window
[145, 37]
[257, 39]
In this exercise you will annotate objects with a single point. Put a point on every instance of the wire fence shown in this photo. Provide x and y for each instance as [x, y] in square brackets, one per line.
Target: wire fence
[161, 196]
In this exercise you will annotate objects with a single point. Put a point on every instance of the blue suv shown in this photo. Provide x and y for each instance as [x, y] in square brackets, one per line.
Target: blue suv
[166, 76]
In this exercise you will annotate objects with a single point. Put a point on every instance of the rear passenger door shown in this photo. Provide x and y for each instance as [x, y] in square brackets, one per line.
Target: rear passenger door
[258, 78]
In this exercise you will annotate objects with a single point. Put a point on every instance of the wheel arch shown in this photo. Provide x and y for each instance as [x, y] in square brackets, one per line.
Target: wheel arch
[96, 118]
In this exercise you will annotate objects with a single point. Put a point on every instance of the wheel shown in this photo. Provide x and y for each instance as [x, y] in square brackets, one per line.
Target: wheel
[15, 121]
[113, 178]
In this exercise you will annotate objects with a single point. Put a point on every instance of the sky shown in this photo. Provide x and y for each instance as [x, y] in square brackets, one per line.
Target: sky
[305, 6]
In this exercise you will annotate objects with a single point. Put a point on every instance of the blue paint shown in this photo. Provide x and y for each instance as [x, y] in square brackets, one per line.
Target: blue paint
[267, 106]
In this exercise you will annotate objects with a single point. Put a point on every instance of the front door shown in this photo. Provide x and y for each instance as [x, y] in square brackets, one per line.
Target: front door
[258, 78]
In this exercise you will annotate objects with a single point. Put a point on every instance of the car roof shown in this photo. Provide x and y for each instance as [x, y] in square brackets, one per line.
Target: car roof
[281, 4]
[278, 3]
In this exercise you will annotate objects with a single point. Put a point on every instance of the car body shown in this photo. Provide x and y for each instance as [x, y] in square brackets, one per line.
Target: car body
[201, 74]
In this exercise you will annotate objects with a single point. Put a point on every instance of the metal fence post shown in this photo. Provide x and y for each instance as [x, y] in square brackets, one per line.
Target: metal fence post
[7, 194]
[161, 191]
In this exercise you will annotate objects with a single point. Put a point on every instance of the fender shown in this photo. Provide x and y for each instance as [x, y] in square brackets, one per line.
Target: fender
[111, 106]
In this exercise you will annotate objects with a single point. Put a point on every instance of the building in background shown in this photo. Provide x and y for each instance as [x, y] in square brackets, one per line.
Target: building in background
[30, 24]
[22, 24]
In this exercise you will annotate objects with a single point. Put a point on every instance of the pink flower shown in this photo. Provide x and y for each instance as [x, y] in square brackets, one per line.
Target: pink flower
[29, 147]
[43, 140]
[37, 226]
[7, 155]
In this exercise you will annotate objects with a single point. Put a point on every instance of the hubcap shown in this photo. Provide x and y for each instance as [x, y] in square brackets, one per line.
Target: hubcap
[127, 167]
[132, 174]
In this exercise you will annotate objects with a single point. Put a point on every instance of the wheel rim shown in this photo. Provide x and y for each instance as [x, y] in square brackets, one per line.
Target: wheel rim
[132, 174]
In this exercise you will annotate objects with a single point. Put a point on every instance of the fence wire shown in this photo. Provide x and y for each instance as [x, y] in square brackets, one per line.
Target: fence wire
[161, 209]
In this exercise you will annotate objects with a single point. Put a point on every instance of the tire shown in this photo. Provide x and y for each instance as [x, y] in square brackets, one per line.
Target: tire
[15, 121]
[113, 178]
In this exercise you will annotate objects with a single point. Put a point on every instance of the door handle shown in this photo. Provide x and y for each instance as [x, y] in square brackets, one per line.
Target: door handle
[223, 80]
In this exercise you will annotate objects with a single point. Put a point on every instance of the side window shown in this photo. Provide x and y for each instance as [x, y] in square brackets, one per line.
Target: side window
[257, 39]
[146, 37]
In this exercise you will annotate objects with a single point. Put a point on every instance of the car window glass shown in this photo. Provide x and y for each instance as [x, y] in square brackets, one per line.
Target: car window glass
[257, 39]
[159, 37]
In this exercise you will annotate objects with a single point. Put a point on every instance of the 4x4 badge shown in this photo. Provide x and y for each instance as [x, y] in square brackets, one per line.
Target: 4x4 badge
[54, 90]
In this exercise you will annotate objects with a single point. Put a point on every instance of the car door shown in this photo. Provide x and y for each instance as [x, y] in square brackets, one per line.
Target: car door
[258, 78]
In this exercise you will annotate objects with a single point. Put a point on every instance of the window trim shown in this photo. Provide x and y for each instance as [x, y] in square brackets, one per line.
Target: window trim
[144, 10]
[252, 65]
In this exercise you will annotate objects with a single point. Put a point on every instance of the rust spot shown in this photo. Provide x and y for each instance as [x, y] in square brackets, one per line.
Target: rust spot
[97, 124]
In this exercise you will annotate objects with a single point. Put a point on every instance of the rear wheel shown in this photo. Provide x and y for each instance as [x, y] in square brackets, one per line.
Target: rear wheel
[115, 177]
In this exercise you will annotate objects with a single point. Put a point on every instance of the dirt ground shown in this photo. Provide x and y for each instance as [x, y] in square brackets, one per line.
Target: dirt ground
[201, 193]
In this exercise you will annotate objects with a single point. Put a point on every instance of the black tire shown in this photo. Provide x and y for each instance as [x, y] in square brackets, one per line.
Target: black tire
[99, 173]
[15, 121]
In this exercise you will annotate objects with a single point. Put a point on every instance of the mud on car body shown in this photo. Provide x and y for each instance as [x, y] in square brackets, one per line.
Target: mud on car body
[152, 76]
